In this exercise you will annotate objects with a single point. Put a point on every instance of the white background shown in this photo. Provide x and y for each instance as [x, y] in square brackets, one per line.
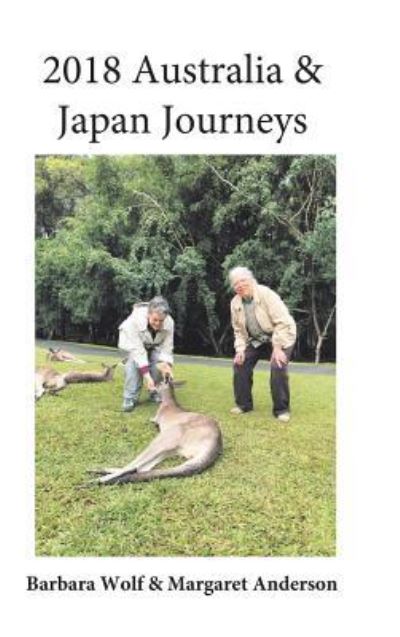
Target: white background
[354, 116]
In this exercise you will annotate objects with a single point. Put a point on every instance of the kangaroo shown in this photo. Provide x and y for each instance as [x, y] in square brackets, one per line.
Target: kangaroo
[50, 380]
[91, 377]
[188, 434]
[61, 355]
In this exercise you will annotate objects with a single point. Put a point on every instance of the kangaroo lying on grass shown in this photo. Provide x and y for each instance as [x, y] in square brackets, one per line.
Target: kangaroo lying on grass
[61, 355]
[188, 434]
[52, 381]
[48, 379]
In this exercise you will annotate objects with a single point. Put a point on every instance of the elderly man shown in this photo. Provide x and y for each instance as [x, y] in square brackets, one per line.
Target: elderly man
[147, 335]
[260, 317]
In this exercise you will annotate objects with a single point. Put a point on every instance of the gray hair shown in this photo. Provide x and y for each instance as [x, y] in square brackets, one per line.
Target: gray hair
[239, 271]
[159, 305]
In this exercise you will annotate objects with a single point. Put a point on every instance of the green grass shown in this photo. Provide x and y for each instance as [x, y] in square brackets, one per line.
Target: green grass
[271, 493]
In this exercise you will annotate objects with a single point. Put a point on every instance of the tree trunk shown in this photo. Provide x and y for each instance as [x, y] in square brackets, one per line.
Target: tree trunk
[222, 338]
[321, 335]
[208, 337]
[318, 347]
[92, 333]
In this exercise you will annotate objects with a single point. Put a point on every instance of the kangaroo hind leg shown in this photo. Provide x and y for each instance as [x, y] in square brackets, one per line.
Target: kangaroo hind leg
[39, 387]
[158, 450]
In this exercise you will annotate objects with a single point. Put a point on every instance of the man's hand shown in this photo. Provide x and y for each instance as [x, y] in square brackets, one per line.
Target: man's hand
[239, 359]
[279, 357]
[150, 384]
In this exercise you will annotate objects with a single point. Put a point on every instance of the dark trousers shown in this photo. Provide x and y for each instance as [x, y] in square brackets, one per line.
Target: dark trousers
[279, 381]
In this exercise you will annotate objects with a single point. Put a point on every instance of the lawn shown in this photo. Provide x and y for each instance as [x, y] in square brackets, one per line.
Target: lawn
[272, 492]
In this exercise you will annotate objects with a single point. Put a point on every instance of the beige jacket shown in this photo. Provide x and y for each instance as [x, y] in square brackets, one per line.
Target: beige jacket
[272, 315]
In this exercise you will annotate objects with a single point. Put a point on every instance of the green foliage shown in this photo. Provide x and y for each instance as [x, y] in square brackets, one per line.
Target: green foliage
[116, 230]
[271, 493]
[320, 245]
[60, 183]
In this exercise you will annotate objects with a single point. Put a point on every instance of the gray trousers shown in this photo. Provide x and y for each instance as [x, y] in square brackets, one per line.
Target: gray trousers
[279, 381]
[133, 377]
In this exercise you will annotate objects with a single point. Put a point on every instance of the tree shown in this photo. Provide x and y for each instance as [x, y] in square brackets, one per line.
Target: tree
[60, 183]
[116, 230]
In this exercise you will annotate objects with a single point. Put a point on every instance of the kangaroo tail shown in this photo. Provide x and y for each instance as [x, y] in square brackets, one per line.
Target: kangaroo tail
[195, 465]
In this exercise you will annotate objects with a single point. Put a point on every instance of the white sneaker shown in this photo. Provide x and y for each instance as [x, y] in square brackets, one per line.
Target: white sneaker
[128, 405]
[237, 411]
[284, 417]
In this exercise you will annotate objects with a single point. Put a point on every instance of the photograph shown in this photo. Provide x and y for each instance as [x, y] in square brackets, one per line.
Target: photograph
[185, 333]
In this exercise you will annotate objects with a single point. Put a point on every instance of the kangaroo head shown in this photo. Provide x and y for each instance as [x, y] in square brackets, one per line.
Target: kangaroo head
[109, 370]
[165, 389]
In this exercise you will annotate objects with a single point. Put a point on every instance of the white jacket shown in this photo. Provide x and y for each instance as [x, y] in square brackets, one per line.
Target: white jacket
[135, 338]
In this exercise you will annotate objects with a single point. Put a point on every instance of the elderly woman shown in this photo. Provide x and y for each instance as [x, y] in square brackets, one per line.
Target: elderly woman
[147, 336]
[260, 318]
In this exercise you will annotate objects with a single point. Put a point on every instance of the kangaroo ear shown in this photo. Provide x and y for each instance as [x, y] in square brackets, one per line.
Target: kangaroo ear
[104, 365]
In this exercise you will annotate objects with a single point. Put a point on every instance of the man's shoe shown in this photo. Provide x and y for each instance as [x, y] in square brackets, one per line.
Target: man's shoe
[237, 411]
[128, 405]
[285, 417]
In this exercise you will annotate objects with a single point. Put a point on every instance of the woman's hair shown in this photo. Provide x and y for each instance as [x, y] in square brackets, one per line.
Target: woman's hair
[159, 305]
[240, 272]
